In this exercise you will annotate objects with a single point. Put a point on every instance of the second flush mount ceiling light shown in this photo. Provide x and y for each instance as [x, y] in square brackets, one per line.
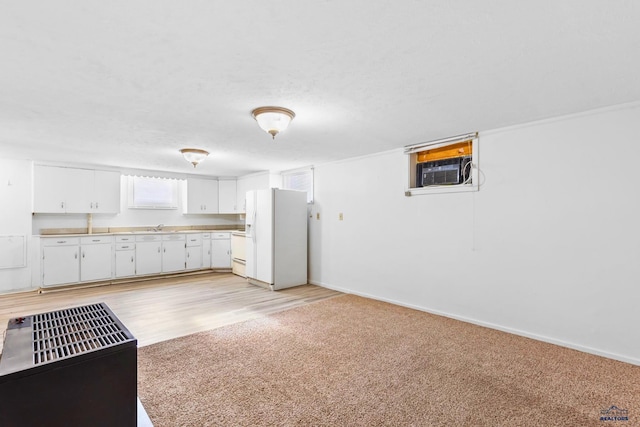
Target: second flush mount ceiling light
[273, 120]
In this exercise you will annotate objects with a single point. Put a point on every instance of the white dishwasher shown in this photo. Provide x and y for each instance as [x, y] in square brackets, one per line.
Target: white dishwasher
[238, 252]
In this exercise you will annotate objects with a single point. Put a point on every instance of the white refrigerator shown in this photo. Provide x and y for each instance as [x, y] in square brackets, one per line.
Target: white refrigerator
[276, 238]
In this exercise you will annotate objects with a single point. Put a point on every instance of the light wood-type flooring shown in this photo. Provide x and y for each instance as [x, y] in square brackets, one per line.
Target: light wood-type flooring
[160, 309]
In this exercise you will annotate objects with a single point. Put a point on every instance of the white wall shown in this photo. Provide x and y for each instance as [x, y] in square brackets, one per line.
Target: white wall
[548, 248]
[15, 217]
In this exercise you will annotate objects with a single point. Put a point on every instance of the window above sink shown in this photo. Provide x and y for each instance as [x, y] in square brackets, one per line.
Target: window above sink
[152, 193]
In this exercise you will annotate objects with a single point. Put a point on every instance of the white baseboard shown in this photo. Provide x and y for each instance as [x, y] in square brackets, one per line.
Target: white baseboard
[543, 338]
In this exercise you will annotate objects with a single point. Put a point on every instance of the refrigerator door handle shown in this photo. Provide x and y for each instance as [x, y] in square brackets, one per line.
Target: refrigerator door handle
[253, 232]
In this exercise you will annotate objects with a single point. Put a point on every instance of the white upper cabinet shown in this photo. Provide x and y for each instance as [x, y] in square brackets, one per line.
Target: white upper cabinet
[51, 188]
[256, 181]
[227, 202]
[241, 193]
[106, 192]
[70, 190]
[202, 196]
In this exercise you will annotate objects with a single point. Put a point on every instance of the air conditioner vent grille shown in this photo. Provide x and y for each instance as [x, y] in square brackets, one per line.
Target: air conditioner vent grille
[67, 333]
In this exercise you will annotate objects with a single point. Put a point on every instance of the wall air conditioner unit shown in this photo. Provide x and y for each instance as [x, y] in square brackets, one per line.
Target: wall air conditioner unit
[451, 171]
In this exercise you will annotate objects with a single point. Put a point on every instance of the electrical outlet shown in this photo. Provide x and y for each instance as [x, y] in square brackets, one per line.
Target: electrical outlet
[340, 216]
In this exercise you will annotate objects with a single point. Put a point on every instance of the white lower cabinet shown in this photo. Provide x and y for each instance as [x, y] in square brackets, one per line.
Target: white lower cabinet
[148, 254]
[125, 263]
[194, 251]
[96, 258]
[220, 250]
[60, 260]
[194, 258]
[173, 253]
[206, 250]
[125, 257]
[69, 260]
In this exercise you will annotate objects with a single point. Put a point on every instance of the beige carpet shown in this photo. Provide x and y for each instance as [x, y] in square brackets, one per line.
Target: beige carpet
[351, 361]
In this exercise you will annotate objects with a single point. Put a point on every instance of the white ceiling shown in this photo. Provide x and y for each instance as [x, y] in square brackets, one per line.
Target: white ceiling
[127, 83]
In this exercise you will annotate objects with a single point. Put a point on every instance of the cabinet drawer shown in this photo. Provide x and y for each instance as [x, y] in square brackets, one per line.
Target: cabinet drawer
[194, 240]
[173, 237]
[220, 236]
[124, 239]
[125, 246]
[149, 238]
[96, 239]
[61, 241]
[206, 235]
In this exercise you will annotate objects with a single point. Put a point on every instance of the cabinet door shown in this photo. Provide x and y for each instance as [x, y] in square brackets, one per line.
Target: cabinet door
[206, 253]
[69, 190]
[173, 256]
[49, 189]
[79, 190]
[221, 253]
[95, 262]
[148, 257]
[194, 258]
[60, 264]
[106, 192]
[257, 181]
[212, 196]
[125, 263]
[202, 196]
[241, 193]
[227, 195]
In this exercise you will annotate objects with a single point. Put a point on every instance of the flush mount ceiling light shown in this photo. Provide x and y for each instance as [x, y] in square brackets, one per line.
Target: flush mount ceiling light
[273, 119]
[194, 155]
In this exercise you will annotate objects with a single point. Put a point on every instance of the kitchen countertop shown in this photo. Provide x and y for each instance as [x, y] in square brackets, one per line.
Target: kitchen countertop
[120, 233]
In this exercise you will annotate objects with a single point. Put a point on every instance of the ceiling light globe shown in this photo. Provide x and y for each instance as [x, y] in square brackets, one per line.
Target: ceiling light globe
[194, 155]
[273, 120]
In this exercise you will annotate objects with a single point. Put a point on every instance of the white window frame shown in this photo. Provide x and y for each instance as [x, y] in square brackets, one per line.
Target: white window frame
[169, 200]
[307, 172]
[412, 160]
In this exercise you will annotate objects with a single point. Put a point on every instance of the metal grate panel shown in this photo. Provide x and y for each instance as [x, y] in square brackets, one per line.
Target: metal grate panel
[75, 366]
[65, 333]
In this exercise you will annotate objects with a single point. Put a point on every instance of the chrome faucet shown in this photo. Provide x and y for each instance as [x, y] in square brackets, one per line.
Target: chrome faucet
[158, 227]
